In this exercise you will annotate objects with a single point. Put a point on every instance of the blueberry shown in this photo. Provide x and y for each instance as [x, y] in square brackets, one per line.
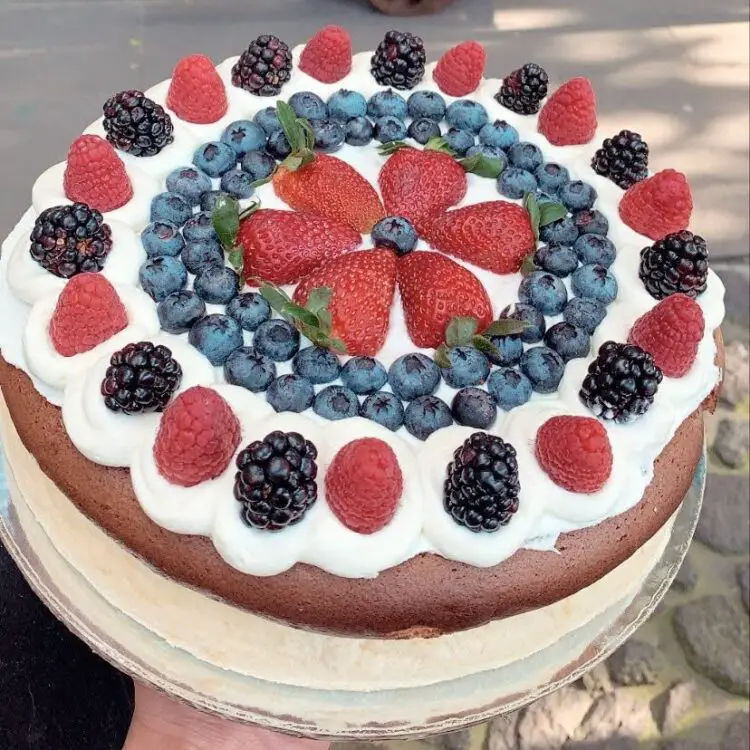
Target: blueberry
[364, 375]
[197, 255]
[258, 164]
[534, 320]
[199, 227]
[180, 310]
[551, 177]
[595, 282]
[542, 197]
[329, 135]
[474, 407]
[336, 402]
[238, 184]
[216, 337]
[215, 158]
[249, 310]
[316, 364]
[209, 198]
[544, 291]
[160, 277]
[389, 128]
[170, 208]
[250, 369]
[385, 409]
[277, 339]
[593, 248]
[459, 140]
[413, 375]
[425, 415]
[489, 152]
[468, 367]
[387, 104]
[466, 115]
[422, 130]
[290, 393]
[359, 131]
[161, 238]
[591, 222]
[498, 133]
[543, 367]
[244, 136]
[217, 285]
[308, 105]
[557, 259]
[345, 104]
[188, 182]
[278, 146]
[585, 313]
[515, 183]
[508, 350]
[427, 104]
[395, 233]
[560, 232]
[577, 195]
[509, 387]
[569, 341]
[525, 156]
[267, 120]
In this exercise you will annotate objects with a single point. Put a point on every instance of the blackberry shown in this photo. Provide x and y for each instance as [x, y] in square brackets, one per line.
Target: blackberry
[481, 491]
[264, 67]
[676, 263]
[275, 481]
[621, 382]
[623, 159]
[72, 239]
[523, 90]
[137, 124]
[141, 378]
[399, 60]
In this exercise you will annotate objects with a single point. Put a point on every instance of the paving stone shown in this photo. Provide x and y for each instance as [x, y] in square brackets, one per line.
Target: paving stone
[597, 681]
[687, 743]
[551, 721]
[674, 704]
[732, 442]
[724, 524]
[736, 386]
[612, 743]
[618, 714]
[737, 735]
[635, 663]
[687, 576]
[714, 635]
[743, 578]
[459, 740]
[502, 733]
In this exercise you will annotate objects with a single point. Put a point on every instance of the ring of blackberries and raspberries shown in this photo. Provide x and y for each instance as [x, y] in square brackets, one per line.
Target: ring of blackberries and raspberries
[676, 264]
[481, 490]
[623, 159]
[399, 60]
[72, 239]
[137, 124]
[275, 481]
[264, 67]
[141, 378]
[523, 90]
[621, 382]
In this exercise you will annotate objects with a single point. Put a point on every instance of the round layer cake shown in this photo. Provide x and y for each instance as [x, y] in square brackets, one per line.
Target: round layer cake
[310, 327]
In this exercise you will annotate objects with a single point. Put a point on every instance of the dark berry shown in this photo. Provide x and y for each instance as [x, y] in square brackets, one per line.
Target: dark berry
[316, 364]
[413, 375]
[585, 313]
[577, 195]
[329, 135]
[190, 183]
[676, 264]
[244, 136]
[569, 341]
[523, 90]
[395, 233]
[423, 129]
[389, 128]
[466, 114]
[623, 159]
[258, 164]
[426, 104]
[264, 67]
[290, 393]
[137, 124]
[557, 259]
[161, 276]
[364, 375]
[531, 317]
[216, 337]
[385, 409]
[249, 309]
[593, 248]
[359, 131]
[399, 60]
[459, 140]
[468, 367]
[474, 407]
[509, 387]
[216, 285]
[591, 222]
[426, 415]
[249, 369]
[544, 367]
[336, 402]
[278, 145]
[308, 105]
[180, 311]
[277, 339]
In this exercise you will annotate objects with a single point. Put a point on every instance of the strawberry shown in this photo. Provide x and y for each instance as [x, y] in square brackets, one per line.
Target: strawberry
[575, 452]
[283, 246]
[670, 333]
[659, 205]
[434, 289]
[197, 437]
[327, 57]
[459, 71]
[569, 116]
[420, 185]
[495, 235]
[330, 188]
[95, 175]
[362, 286]
[196, 92]
[88, 312]
[364, 484]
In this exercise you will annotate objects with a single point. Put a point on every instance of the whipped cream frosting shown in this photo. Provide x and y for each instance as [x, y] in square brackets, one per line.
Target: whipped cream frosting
[28, 295]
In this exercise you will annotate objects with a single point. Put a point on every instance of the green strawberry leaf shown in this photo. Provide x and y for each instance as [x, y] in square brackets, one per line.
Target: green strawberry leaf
[319, 299]
[264, 181]
[484, 345]
[460, 330]
[438, 143]
[391, 147]
[505, 327]
[226, 221]
[293, 162]
[308, 134]
[324, 320]
[277, 298]
[301, 314]
[535, 215]
[483, 166]
[528, 266]
[337, 345]
[441, 357]
[550, 212]
[236, 259]
[288, 121]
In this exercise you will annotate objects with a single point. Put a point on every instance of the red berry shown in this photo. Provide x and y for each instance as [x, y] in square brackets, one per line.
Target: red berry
[88, 312]
[327, 57]
[670, 333]
[459, 71]
[364, 484]
[575, 453]
[198, 435]
[95, 175]
[569, 116]
[196, 93]
[659, 205]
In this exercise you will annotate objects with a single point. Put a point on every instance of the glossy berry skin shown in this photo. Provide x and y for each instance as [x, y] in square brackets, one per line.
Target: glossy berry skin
[426, 415]
[364, 375]
[336, 402]
[389, 128]
[577, 195]
[238, 184]
[215, 158]
[569, 341]
[534, 320]
[277, 339]
[557, 259]
[399, 60]
[678, 263]
[542, 197]
[267, 120]
[160, 238]
[136, 124]
[308, 105]
[499, 134]
[159, 277]
[216, 285]
[249, 309]
[544, 291]
[216, 337]
[585, 313]
[244, 136]
[385, 409]
[514, 183]
[593, 248]
[509, 387]
[258, 164]
[210, 197]
[199, 227]
[264, 67]
[188, 182]
[395, 233]
[170, 208]
[422, 130]
[249, 369]
[508, 350]
[459, 140]
[180, 311]
[359, 131]
[474, 407]
[465, 114]
[344, 105]
[623, 159]
[290, 393]
[560, 232]
[426, 104]
[413, 375]
[596, 282]
[543, 367]
[591, 222]
[278, 146]
[551, 177]
[387, 104]
[525, 156]
[468, 367]
[316, 364]
[329, 135]
[197, 255]
[524, 89]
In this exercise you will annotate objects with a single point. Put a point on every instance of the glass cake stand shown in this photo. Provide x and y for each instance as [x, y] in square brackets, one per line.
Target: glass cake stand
[406, 713]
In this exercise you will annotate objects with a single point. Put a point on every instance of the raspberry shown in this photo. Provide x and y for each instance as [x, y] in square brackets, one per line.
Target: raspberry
[575, 453]
[327, 57]
[196, 93]
[670, 333]
[364, 485]
[197, 437]
[569, 116]
[95, 175]
[659, 205]
[88, 312]
[459, 71]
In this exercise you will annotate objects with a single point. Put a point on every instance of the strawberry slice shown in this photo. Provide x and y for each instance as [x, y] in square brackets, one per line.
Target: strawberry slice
[327, 57]
[196, 92]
